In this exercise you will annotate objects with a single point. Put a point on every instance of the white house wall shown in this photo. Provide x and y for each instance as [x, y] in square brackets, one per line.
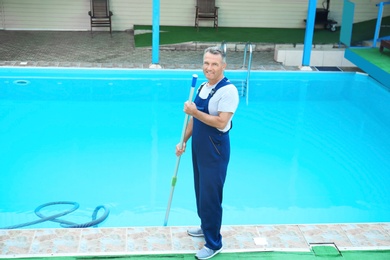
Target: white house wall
[254, 13]
[45, 14]
[1, 16]
[364, 10]
[73, 14]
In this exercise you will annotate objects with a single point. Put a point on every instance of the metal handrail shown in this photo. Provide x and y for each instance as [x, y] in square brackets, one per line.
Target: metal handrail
[250, 46]
[224, 47]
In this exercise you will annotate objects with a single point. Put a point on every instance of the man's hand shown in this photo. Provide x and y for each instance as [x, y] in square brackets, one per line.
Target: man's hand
[190, 108]
[179, 151]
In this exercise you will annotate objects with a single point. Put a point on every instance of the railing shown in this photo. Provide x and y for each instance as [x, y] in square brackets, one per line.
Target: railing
[378, 22]
[248, 47]
[224, 47]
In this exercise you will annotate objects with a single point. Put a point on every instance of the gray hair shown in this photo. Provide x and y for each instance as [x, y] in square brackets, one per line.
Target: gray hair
[216, 51]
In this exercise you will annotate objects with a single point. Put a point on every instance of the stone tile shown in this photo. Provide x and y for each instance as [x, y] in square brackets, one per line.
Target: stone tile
[90, 65]
[282, 236]
[386, 227]
[181, 241]
[47, 64]
[292, 68]
[273, 67]
[7, 63]
[132, 66]
[69, 64]
[103, 240]
[239, 237]
[367, 235]
[325, 234]
[26, 63]
[107, 65]
[15, 242]
[148, 239]
[55, 241]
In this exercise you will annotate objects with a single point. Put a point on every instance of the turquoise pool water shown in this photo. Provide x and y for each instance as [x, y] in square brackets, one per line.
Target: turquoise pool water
[307, 147]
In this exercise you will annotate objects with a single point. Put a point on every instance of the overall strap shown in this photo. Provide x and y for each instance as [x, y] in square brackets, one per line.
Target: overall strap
[220, 84]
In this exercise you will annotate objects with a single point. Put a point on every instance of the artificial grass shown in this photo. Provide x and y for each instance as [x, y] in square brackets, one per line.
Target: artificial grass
[179, 34]
[327, 251]
[345, 255]
[379, 59]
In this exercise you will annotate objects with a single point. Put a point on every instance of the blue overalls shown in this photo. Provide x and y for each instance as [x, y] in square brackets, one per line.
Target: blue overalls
[210, 158]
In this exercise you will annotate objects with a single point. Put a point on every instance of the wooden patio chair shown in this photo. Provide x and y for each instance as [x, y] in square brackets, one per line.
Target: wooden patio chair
[100, 14]
[384, 44]
[206, 10]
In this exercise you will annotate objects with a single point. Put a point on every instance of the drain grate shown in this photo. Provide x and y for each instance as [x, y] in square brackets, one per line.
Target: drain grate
[21, 82]
[327, 68]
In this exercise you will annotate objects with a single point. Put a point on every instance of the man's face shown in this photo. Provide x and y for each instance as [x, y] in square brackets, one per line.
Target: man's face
[213, 67]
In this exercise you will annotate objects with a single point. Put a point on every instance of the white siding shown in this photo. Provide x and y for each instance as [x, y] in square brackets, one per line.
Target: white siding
[1, 15]
[73, 14]
[276, 14]
[177, 12]
[46, 14]
[364, 10]
[130, 12]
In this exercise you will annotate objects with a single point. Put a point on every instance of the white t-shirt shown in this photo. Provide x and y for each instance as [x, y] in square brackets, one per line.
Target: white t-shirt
[224, 99]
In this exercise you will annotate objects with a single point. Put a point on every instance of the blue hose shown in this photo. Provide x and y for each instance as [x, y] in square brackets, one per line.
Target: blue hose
[64, 223]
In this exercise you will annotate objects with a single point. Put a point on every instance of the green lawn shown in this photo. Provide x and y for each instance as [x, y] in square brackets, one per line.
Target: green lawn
[178, 34]
[345, 255]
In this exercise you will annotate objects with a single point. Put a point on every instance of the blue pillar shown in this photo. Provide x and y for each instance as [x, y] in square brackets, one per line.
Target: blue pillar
[378, 24]
[310, 21]
[156, 32]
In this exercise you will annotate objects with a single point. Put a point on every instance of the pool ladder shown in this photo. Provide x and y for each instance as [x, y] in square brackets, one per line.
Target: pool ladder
[245, 84]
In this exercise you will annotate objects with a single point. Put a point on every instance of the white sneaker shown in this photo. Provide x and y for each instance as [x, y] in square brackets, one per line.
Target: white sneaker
[195, 232]
[207, 253]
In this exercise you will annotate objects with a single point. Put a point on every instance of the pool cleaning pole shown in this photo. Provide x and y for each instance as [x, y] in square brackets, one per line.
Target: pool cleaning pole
[174, 178]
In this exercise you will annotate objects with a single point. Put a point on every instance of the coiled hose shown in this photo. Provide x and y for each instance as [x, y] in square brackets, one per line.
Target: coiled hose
[64, 223]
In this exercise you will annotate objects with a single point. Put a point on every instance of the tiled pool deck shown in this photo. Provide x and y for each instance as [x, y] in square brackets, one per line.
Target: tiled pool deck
[79, 49]
[174, 240]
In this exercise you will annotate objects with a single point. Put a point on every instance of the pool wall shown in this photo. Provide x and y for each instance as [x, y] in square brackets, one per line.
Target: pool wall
[289, 101]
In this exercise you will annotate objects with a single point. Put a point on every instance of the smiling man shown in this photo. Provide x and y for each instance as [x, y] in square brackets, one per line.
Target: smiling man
[211, 120]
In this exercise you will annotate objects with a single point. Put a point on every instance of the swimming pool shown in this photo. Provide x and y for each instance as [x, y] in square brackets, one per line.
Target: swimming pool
[307, 147]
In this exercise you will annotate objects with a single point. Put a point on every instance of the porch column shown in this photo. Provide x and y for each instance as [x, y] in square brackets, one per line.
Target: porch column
[310, 22]
[155, 35]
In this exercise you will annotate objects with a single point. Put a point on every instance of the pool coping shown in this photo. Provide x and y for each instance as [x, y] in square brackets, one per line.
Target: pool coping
[129, 65]
[22, 243]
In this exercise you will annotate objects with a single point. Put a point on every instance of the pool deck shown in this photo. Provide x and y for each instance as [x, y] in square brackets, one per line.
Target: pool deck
[174, 240]
[79, 49]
